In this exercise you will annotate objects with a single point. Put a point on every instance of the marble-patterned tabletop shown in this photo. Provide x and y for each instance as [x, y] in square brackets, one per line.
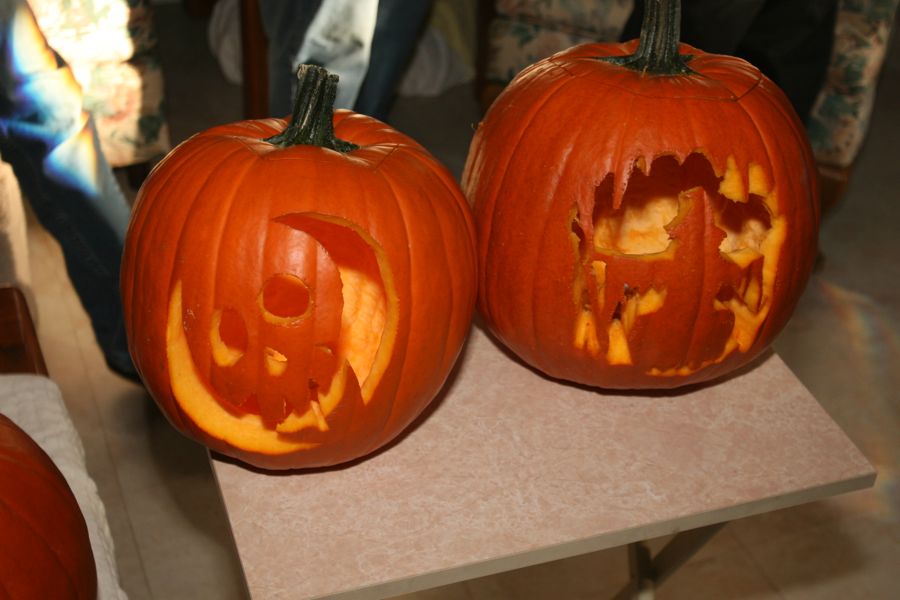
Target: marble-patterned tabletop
[509, 469]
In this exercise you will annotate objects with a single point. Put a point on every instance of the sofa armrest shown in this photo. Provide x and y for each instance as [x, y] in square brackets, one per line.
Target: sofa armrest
[20, 351]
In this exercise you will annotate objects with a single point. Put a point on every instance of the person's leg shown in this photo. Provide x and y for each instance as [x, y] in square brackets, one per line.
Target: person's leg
[397, 32]
[285, 23]
[52, 145]
[715, 26]
[340, 39]
[788, 40]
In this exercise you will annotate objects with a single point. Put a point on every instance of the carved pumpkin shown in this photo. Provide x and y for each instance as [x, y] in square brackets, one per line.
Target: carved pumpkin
[296, 294]
[647, 213]
[45, 550]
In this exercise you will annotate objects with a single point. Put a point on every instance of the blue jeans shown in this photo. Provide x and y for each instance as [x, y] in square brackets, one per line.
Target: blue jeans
[397, 29]
[52, 146]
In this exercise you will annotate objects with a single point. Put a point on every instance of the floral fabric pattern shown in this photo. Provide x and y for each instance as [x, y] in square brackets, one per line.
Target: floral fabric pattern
[525, 31]
[840, 116]
[109, 45]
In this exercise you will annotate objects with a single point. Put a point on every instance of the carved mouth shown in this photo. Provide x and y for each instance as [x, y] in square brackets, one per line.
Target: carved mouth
[675, 216]
[285, 359]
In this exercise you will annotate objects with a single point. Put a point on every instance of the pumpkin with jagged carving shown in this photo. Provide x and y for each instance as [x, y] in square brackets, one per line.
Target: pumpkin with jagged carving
[647, 213]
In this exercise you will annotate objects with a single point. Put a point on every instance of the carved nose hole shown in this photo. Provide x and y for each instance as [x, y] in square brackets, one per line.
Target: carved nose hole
[228, 337]
[285, 299]
[276, 362]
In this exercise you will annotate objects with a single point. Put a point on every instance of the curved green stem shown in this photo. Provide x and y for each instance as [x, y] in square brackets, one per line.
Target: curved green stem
[312, 118]
[657, 51]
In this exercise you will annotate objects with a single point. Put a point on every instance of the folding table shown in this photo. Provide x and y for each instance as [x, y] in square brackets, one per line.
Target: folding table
[508, 469]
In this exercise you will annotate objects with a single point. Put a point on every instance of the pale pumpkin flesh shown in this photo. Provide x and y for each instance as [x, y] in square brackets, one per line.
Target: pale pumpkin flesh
[360, 354]
[664, 216]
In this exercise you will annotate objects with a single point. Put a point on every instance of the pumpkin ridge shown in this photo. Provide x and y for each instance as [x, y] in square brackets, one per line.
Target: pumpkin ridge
[51, 550]
[461, 212]
[618, 166]
[444, 265]
[174, 274]
[716, 77]
[23, 467]
[137, 226]
[796, 267]
[447, 258]
[775, 212]
[263, 203]
[375, 166]
[523, 128]
[703, 197]
[142, 207]
[404, 312]
[460, 206]
[572, 141]
[487, 224]
[664, 95]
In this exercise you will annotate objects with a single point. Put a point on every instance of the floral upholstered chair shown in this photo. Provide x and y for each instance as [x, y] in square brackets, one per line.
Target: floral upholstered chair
[524, 31]
[109, 45]
[840, 117]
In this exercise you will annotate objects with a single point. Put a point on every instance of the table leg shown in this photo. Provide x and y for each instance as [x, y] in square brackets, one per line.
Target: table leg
[649, 573]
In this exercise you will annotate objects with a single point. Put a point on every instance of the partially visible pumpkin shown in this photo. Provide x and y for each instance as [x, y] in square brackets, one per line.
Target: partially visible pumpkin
[296, 293]
[45, 550]
[647, 213]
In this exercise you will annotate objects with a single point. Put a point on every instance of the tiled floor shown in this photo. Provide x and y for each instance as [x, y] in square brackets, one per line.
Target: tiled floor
[171, 534]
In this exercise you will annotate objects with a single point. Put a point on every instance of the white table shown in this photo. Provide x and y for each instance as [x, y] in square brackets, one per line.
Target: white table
[510, 469]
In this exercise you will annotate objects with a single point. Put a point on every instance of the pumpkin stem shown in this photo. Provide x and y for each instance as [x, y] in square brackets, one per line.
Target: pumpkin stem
[312, 118]
[657, 51]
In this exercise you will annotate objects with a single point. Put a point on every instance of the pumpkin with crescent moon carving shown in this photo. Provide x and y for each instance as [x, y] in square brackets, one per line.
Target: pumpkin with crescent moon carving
[296, 293]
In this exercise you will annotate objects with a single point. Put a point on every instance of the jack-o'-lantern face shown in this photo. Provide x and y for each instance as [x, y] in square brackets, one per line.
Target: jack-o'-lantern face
[251, 372]
[298, 345]
[686, 252]
[295, 292]
[646, 212]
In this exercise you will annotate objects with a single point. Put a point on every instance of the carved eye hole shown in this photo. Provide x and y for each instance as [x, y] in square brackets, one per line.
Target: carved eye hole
[639, 226]
[228, 337]
[284, 299]
[746, 226]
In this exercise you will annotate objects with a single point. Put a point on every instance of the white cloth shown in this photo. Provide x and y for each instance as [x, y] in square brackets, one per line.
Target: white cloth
[340, 39]
[35, 404]
[435, 67]
[224, 36]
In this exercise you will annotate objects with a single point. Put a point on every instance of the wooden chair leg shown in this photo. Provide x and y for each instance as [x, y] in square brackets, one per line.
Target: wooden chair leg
[833, 182]
[20, 351]
[255, 62]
